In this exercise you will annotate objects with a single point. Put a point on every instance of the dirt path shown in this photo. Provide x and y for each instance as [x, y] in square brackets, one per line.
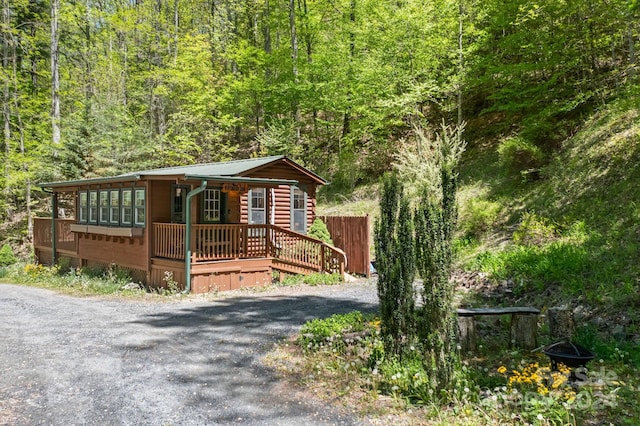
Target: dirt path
[76, 361]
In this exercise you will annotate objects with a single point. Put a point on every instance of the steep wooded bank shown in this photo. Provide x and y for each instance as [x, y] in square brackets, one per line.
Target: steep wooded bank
[333, 84]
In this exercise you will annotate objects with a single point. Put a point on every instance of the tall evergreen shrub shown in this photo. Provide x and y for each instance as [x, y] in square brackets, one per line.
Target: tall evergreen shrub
[395, 264]
[435, 221]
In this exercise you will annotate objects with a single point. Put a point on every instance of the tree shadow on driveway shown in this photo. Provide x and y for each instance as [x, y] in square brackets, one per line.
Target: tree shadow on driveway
[210, 355]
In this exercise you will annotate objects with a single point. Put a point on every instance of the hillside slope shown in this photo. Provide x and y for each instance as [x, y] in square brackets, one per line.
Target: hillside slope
[568, 234]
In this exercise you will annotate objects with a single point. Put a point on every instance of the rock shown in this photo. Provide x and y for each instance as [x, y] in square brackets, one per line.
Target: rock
[132, 286]
[619, 333]
[581, 314]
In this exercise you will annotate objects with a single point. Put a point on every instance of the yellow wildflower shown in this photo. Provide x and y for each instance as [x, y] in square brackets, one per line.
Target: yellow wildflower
[502, 369]
[542, 390]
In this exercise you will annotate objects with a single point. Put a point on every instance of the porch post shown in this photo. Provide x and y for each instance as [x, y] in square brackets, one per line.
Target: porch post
[269, 219]
[54, 234]
[187, 236]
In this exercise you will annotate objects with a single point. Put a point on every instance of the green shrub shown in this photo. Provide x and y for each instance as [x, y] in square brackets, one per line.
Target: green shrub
[518, 154]
[560, 262]
[319, 230]
[320, 332]
[534, 230]
[6, 256]
[478, 217]
[322, 279]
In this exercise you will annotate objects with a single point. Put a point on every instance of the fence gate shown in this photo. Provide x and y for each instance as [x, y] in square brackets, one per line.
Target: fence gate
[351, 234]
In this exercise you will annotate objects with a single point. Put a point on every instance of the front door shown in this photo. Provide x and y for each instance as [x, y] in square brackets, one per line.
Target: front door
[179, 203]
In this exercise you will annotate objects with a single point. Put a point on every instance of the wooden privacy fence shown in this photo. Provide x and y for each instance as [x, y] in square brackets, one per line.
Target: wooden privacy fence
[351, 234]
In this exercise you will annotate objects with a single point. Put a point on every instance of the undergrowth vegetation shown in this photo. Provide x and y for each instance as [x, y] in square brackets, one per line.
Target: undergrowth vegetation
[345, 356]
[78, 281]
[575, 228]
[541, 254]
[564, 232]
[314, 279]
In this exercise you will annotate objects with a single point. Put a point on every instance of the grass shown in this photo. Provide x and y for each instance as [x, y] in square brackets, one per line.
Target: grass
[314, 279]
[113, 281]
[75, 282]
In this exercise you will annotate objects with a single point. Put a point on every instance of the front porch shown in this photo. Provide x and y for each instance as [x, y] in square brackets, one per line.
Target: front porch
[243, 241]
[222, 256]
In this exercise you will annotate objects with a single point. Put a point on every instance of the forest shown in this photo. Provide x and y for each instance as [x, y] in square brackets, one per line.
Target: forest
[94, 88]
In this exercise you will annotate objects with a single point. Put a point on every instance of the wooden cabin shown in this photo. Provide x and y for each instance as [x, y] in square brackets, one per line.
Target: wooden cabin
[208, 227]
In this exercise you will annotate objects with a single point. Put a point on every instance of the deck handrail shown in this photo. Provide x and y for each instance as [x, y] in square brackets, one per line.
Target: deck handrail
[305, 251]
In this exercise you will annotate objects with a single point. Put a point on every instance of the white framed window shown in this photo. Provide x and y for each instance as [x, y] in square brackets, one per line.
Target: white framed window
[212, 206]
[93, 206]
[83, 206]
[257, 205]
[127, 206]
[298, 210]
[114, 207]
[103, 211]
[139, 202]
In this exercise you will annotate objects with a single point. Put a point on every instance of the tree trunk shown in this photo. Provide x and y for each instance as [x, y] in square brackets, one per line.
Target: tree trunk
[294, 64]
[632, 51]
[524, 330]
[346, 122]
[176, 28]
[55, 76]
[467, 333]
[561, 325]
[267, 28]
[460, 61]
[6, 105]
[23, 153]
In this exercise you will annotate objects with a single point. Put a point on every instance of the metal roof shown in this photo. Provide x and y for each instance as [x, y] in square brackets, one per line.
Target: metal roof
[225, 168]
[231, 171]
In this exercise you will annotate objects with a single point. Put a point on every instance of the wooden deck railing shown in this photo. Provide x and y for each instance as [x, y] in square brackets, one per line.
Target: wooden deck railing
[65, 239]
[301, 250]
[218, 242]
[168, 240]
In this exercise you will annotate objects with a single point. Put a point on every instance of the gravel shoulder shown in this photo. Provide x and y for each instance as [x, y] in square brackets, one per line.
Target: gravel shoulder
[193, 361]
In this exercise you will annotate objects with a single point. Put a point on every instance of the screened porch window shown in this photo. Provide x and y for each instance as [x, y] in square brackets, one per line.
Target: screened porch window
[93, 206]
[114, 207]
[104, 207]
[139, 207]
[127, 206]
[83, 204]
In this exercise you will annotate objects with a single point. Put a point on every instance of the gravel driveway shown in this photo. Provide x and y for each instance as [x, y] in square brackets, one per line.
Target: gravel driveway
[96, 361]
